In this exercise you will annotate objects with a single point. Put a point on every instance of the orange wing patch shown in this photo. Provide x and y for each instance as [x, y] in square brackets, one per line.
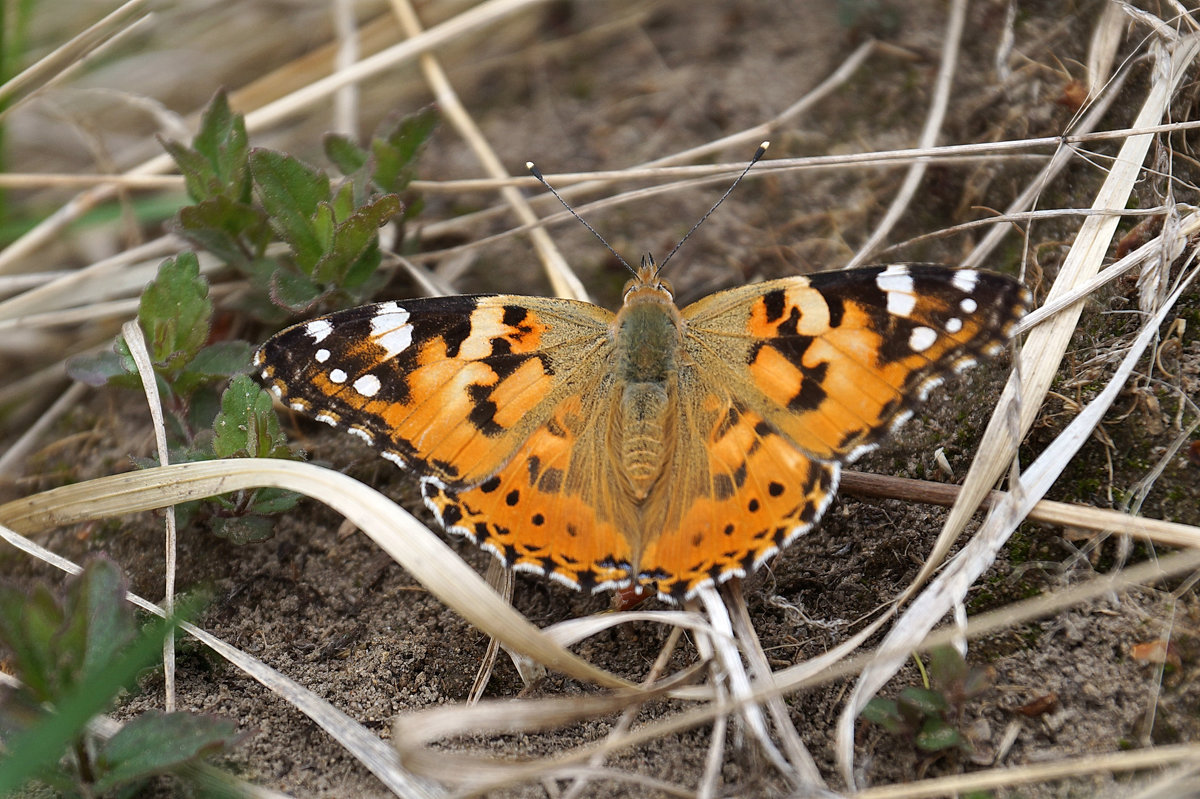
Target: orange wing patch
[535, 516]
[764, 492]
[449, 386]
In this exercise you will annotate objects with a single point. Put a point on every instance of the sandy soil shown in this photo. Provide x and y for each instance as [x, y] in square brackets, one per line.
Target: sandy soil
[605, 85]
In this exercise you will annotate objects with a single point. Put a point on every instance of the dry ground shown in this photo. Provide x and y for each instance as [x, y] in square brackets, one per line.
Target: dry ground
[607, 85]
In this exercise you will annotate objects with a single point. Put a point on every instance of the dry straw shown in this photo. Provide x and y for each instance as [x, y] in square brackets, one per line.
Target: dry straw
[732, 677]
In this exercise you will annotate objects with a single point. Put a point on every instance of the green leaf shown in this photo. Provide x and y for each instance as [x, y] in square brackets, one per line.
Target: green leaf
[923, 700]
[396, 152]
[97, 369]
[344, 153]
[36, 749]
[886, 714]
[246, 425]
[222, 359]
[223, 141]
[199, 176]
[295, 292]
[355, 238]
[216, 164]
[274, 500]
[28, 624]
[243, 529]
[937, 735]
[233, 231]
[99, 621]
[291, 191]
[176, 314]
[158, 743]
[946, 667]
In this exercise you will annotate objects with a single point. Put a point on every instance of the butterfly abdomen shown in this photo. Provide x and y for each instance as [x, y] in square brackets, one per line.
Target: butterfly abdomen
[646, 360]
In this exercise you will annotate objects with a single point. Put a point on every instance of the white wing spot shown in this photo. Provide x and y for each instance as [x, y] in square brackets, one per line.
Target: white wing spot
[953, 325]
[322, 355]
[327, 419]
[318, 330]
[394, 458]
[363, 434]
[337, 376]
[897, 284]
[390, 329]
[367, 385]
[922, 338]
[968, 305]
[928, 385]
[276, 390]
[965, 280]
[298, 405]
[901, 419]
[963, 364]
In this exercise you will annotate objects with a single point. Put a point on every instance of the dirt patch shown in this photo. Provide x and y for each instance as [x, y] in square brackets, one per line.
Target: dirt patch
[606, 85]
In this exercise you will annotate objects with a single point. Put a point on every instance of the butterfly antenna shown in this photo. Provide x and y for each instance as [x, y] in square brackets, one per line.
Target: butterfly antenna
[758, 154]
[537, 173]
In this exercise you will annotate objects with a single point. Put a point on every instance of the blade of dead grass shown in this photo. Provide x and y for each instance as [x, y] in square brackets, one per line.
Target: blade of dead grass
[425, 726]
[563, 280]
[1011, 776]
[70, 53]
[409, 542]
[486, 13]
[1043, 350]
[951, 41]
[132, 332]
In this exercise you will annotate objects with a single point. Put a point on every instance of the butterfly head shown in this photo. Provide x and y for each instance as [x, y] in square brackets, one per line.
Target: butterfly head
[647, 283]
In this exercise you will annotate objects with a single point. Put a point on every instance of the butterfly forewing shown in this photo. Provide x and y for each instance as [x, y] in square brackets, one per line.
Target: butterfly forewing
[832, 360]
[449, 386]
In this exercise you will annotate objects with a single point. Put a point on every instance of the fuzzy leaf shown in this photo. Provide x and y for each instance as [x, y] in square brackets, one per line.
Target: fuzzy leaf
[222, 140]
[886, 714]
[291, 191]
[246, 425]
[233, 231]
[175, 313]
[946, 667]
[355, 238]
[293, 291]
[937, 735]
[97, 369]
[923, 700]
[28, 624]
[156, 743]
[244, 529]
[215, 165]
[395, 153]
[34, 750]
[344, 153]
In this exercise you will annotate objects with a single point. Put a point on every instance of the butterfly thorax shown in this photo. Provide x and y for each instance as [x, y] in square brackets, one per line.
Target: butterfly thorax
[646, 348]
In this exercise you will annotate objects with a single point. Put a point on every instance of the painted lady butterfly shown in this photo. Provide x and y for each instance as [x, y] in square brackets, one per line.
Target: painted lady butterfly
[656, 446]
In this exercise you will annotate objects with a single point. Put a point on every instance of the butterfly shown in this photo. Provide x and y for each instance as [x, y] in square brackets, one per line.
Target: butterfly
[657, 447]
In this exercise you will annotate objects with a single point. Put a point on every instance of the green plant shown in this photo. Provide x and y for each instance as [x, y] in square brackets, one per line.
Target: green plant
[175, 315]
[331, 230]
[244, 200]
[74, 654]
[929, 714]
